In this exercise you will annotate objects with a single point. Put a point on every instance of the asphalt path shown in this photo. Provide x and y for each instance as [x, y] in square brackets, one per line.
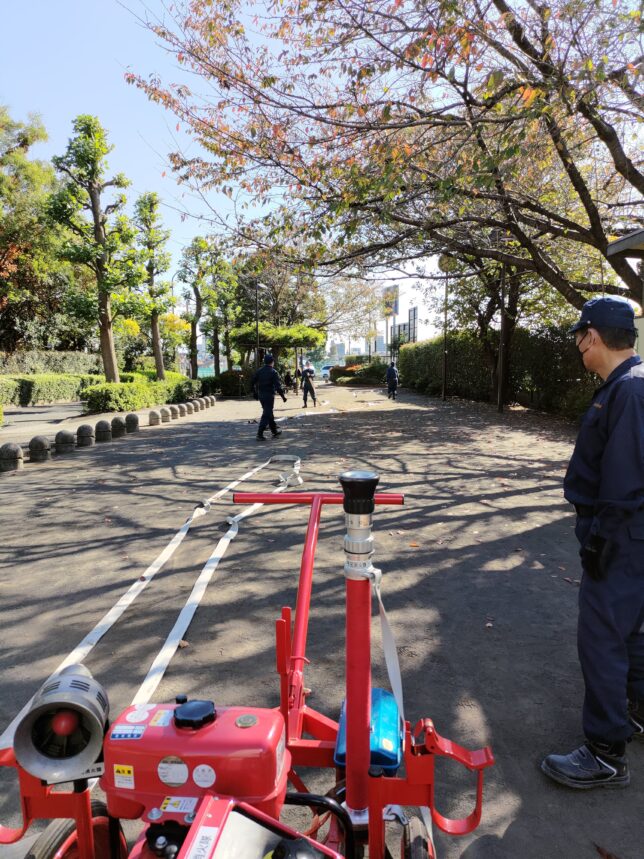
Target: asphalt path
[480, 580]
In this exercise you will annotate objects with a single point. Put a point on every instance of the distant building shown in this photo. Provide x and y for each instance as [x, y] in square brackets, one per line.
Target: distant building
[380, 344]
[342, 349]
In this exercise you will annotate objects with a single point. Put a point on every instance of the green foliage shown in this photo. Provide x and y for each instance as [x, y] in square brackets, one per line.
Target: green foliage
[9, 390]
[29, 390]
[46, 361]
[273, 336]
[231, 383]
[545, 370]
[1, 415]
[338, 371]
[356, 359]
[120, 397]
[140, 393]
[359, 373]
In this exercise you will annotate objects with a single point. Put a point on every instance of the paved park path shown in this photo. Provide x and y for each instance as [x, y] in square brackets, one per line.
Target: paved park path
[480, 579]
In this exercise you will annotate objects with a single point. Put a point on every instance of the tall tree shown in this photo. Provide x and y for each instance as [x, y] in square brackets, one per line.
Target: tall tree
[194, 272]
[33, 282]
[401, 129]
[100, 236]
[152, 241]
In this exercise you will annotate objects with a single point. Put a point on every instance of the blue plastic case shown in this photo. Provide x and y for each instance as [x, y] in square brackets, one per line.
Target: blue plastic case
[386, 736]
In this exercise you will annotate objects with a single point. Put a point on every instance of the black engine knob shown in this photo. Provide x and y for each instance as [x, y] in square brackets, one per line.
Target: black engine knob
[195, 714]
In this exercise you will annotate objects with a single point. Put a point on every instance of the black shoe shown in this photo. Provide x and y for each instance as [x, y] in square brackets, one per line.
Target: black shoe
[591, 765]
[276, 433]
[636, 718]
[261, 436]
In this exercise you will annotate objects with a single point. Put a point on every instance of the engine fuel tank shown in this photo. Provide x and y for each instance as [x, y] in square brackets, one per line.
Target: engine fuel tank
[161, 759]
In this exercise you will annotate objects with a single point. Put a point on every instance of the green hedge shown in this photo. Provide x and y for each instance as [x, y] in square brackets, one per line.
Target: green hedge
[45, 387]
[46, 361]
[139, 394]
[545, 371]
[236, 383]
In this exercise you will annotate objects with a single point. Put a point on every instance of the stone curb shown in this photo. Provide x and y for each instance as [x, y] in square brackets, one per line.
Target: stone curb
[42, 449]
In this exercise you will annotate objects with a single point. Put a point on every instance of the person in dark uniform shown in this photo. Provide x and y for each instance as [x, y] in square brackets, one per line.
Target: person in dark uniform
[392, 381]
[266, 383]
[605, 482]
[308, 374]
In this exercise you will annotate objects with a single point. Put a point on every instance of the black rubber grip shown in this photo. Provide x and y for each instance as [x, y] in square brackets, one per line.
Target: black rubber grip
[359, 488]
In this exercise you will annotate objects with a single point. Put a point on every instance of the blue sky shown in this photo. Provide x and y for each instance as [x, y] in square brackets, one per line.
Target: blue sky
[61, 58]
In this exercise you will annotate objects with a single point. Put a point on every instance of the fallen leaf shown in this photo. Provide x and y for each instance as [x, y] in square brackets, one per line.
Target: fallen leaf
[489, 625]
[183, 644]
[414, 545]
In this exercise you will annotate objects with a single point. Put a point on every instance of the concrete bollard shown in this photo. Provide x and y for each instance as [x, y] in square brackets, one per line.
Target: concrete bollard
[118, 427]
[85, 435]
[65, 441]
[174, 412]
[39, 449]
[103, 431]
[11, 457]
[189, 409]
[213, 399]
[205, 402]
[182, 410]
[132, 422]
[197, 405]
[154, 418]
[165, 415]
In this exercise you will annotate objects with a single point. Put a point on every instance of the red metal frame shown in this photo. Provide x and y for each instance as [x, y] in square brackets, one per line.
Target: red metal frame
[421, 745]
[311, 735]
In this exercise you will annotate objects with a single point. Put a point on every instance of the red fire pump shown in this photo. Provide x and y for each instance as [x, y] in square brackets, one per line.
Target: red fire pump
[210, 782]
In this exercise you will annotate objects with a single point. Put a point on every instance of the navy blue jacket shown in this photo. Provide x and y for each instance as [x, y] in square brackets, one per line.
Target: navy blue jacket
[606, 471]
[266, 382]
[392, 375]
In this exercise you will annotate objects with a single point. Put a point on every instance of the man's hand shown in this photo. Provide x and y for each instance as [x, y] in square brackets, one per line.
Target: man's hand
[594, 557]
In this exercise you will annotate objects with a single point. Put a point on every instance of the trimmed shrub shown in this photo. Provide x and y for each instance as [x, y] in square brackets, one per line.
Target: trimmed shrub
[9, 390]
[338, 371]
[45, 361]
[120, 397]
[421, 366]
[210, 385]
[545, 371]
[1, 415]
[232, 383]
[352, 360]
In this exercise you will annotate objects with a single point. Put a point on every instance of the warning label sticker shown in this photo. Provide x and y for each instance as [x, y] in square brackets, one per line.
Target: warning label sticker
[201, 847]
[127, 732]
[161, 719]
[179, 804]
[124, 776]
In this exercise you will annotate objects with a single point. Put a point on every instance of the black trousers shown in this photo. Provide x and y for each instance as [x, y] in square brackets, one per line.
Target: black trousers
[309, 389]
[268, 418]
[610, 636]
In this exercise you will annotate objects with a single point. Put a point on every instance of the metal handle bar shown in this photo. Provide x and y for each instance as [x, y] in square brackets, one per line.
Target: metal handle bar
[307, 498]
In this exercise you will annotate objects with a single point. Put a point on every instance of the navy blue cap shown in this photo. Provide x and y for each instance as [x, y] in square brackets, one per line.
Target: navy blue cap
[268, 359]
[605, 311]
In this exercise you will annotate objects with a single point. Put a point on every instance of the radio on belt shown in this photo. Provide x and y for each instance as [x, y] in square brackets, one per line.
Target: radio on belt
[164, 758]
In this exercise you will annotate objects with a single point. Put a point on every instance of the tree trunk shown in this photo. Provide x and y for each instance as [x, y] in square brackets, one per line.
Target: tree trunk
[108, 352]
[215, 347]
[156, 345]
[194, 367]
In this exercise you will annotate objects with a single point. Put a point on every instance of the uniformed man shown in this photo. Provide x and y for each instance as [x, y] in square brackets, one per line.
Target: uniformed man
[308, 374]
[266, 383]
[392, 381]
[605, 482]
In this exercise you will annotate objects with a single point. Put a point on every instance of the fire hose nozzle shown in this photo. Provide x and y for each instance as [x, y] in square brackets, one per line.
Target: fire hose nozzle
[359, 488]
